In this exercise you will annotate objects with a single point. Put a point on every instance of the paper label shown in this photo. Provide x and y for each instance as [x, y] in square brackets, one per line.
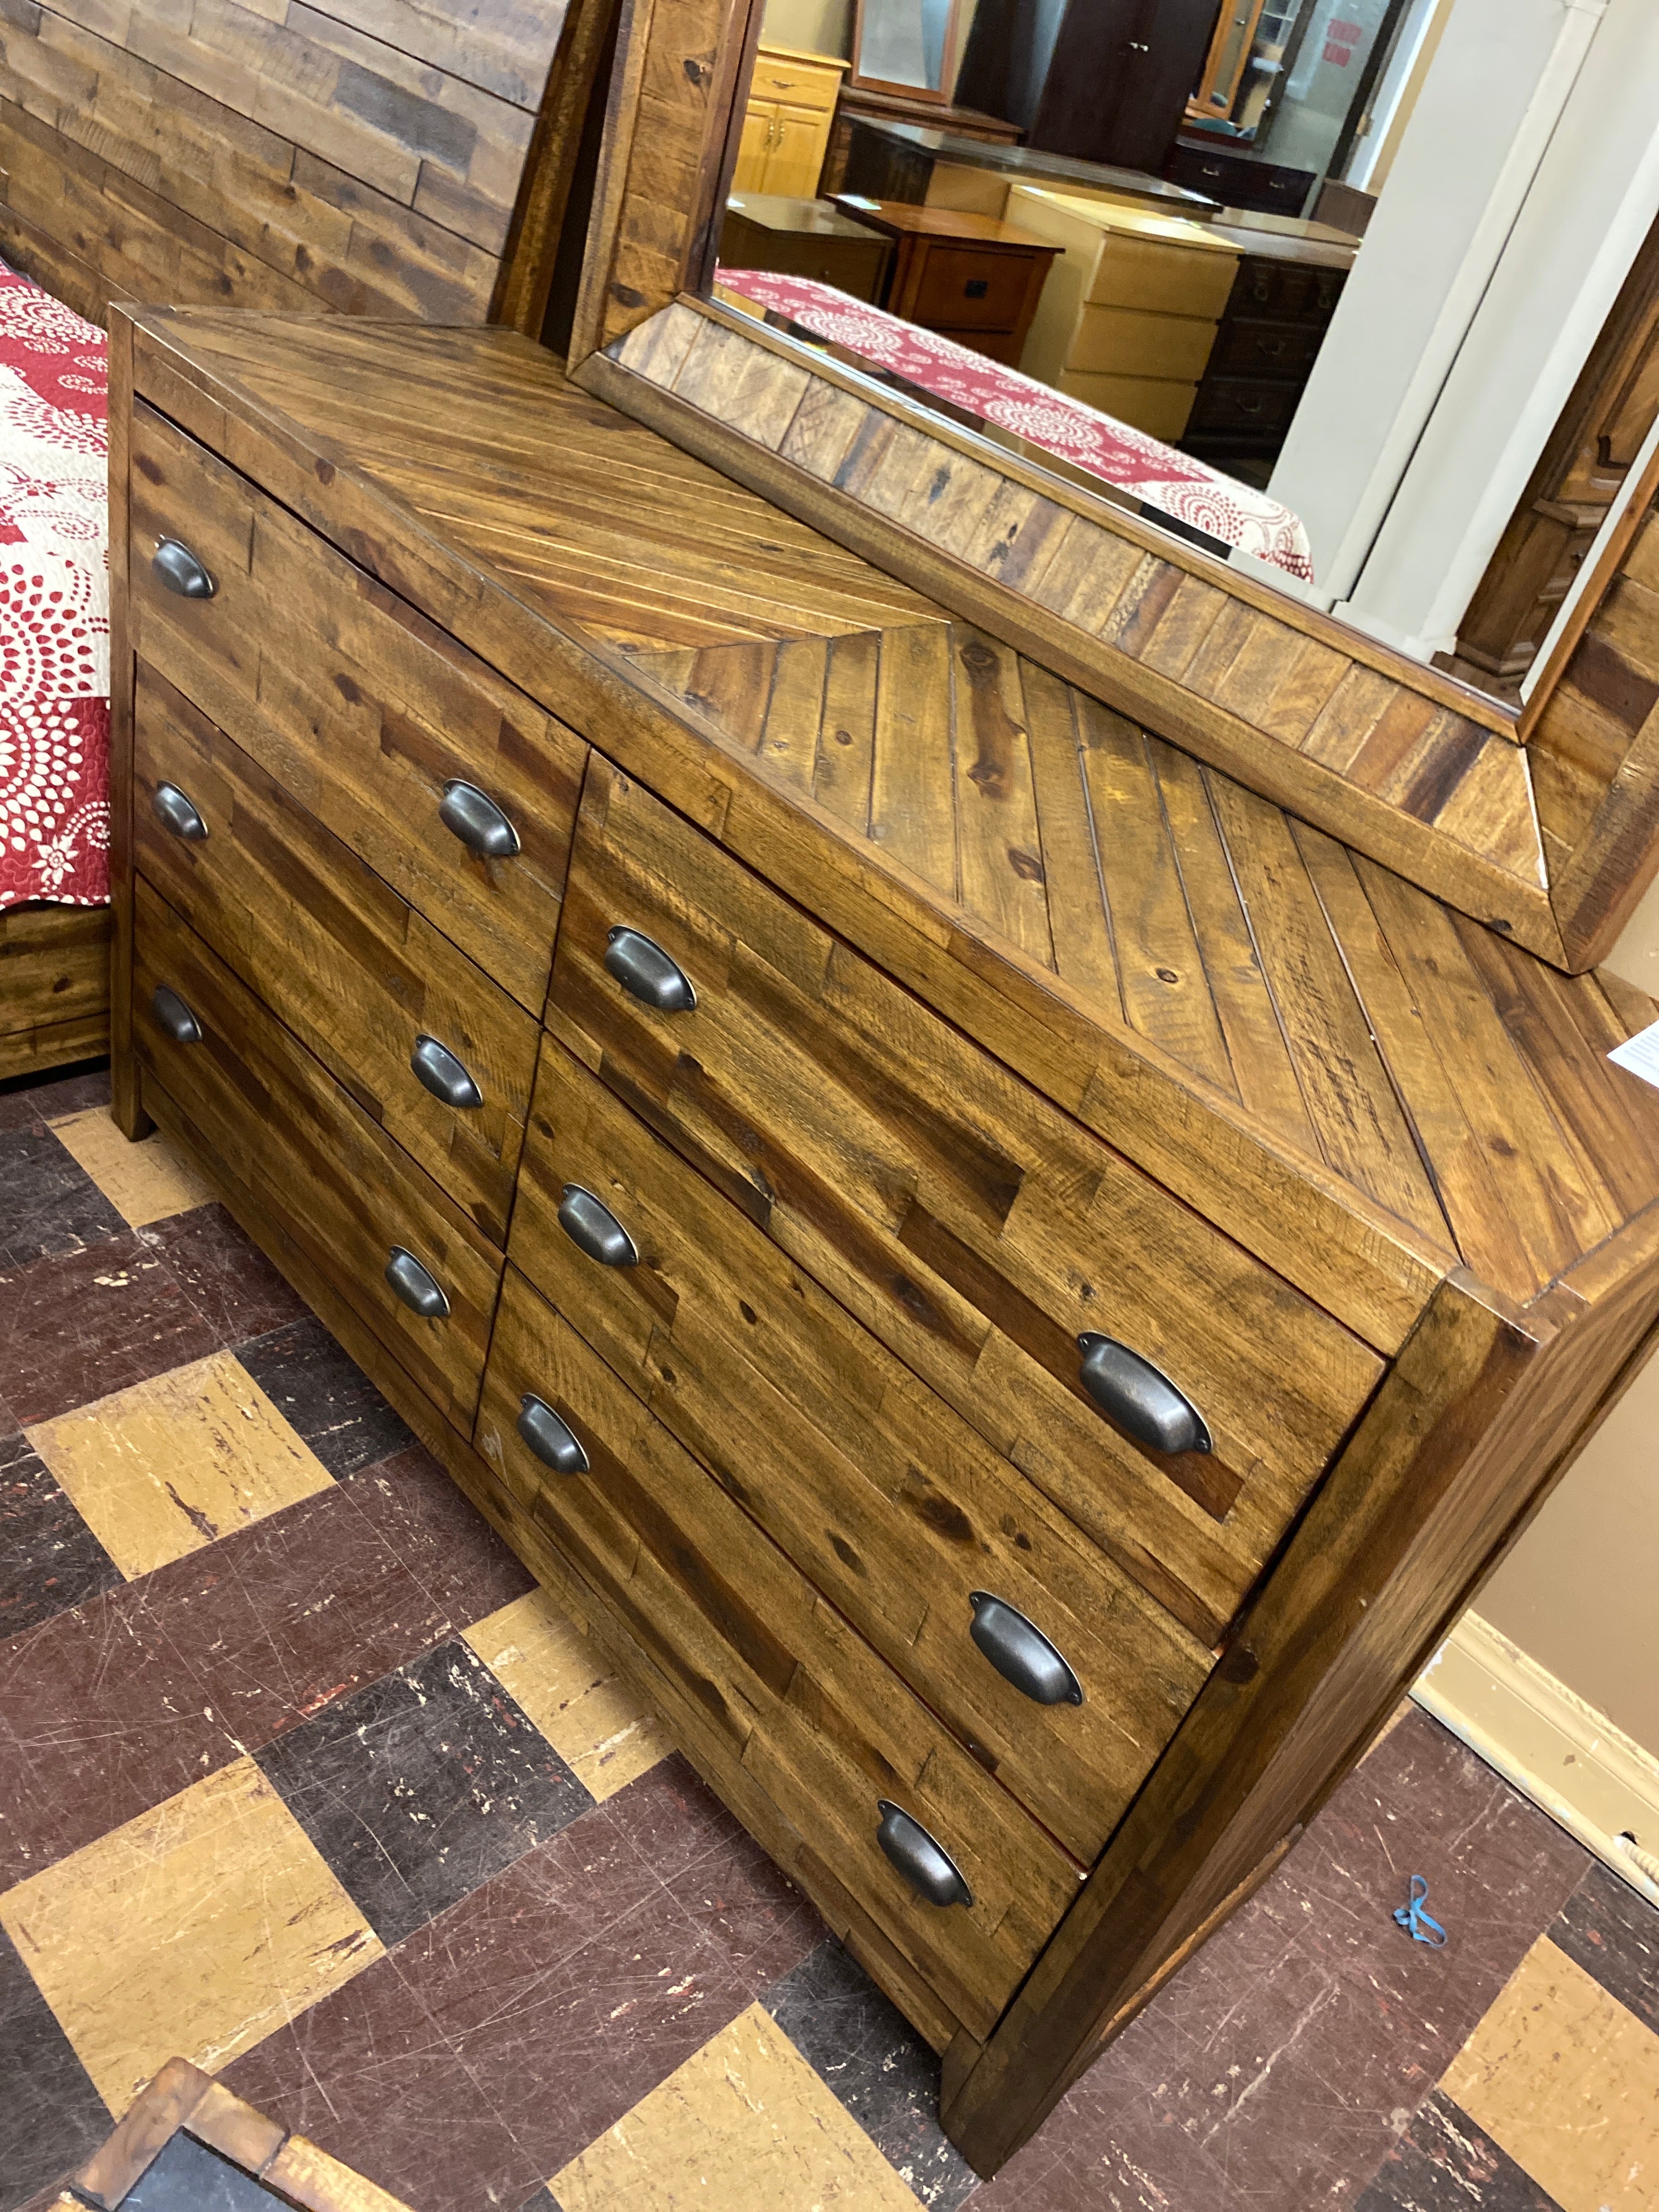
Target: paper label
[1640, 1056]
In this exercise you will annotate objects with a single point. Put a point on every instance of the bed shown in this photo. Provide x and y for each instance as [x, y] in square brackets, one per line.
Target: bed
[1201, 502]
[54, 681]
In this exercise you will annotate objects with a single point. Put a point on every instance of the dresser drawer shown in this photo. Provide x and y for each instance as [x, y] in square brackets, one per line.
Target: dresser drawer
[339, 1185]
[1267, 349]
[365, 982]
[798, 83]
[964, 288]
[1286, 291]
[972, 1225]
[1237, 403]
[806, 1709]
[889, 1501]
[357, 704]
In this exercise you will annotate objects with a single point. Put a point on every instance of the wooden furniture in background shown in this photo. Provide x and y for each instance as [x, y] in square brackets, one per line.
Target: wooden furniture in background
[1128, 317]
[1270, 329]
[183, 2107]
[941, 169]
[386, 162]
[970, 276]
[804, 238]
[1238, 178]
[1104, 80]
[1225, 65]
[1600, 430]
[54, 987]
[785, 125]
[860, 104]
[828, 983]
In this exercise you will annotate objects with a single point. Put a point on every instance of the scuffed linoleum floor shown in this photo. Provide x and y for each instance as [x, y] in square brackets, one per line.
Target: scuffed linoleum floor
[300, 1778]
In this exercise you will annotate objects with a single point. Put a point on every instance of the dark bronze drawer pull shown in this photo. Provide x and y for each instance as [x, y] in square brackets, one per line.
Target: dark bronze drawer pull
[174, 1018]
[594, 1228]
[419, 1291]
[646, 972]
[1139, 1399]
[473, 817]
[175, 812]
[177, 567]
[442, 1074]
[553, 1441]
[927, 1866]
[1021, 1653]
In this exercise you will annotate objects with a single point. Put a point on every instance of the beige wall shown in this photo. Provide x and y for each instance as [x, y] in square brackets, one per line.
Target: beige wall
[810, 27]
[1580, 1592]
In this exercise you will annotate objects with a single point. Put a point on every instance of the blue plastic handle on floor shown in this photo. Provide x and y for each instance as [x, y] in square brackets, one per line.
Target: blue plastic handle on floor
[1420, 1924]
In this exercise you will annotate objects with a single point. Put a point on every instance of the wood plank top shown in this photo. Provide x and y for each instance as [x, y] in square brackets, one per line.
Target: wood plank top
[900, 219]
[1364, 1087]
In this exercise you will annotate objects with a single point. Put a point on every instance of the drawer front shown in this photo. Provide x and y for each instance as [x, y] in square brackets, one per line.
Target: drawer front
[355, 704]
[798, 83]
[889, 1501]
[1287, 291]
[338, 956]
[807, 1710]
[966, 1221]
[1267, 349]
[1237, 403]
[963, 287]
[339, 1186]
[1161, 278]
[1126, 342]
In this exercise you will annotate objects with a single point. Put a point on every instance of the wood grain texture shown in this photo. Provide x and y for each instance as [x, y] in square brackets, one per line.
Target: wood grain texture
[54, 987]
[379, 156]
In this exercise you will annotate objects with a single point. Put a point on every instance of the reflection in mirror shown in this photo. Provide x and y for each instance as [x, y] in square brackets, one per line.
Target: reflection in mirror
[1217, 264]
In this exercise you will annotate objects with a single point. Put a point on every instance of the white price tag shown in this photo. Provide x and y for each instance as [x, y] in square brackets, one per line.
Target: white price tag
[1640, 1054]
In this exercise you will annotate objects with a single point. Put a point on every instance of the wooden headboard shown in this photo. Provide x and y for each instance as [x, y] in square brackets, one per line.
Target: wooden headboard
[382, 157]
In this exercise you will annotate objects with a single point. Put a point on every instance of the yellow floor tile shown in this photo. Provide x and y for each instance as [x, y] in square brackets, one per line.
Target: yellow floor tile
[744, 2125]
[1566, 2081]
[166, 1466]
[144, 1182]
[196, 1930]
[570, 1690]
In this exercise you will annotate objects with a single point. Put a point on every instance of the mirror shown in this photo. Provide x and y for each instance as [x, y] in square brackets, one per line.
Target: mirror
[1240, 269]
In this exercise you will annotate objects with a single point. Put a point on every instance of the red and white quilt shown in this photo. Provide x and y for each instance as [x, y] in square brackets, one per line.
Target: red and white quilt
[1174, 483]
[54, 601]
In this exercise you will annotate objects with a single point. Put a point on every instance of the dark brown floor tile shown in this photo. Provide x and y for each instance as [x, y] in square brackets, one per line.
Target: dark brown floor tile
[75, 1327]
[422, 1785]
[324, 1395]
[441, 1541]
[51, 2116]
[877, 2064]
[1443, 2163]
[50, 1560]
[224, 1274]
[48, 1202]
[1613, 1933]
[367, 2074]
[743, 1907]
[109, 1709]
[29, 1101]
[674, 1819]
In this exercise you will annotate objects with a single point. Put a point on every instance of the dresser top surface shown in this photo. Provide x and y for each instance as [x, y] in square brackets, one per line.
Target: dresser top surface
[1451, 1090]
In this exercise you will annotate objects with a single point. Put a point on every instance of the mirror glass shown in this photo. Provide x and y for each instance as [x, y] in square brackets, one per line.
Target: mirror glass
[1237, 266]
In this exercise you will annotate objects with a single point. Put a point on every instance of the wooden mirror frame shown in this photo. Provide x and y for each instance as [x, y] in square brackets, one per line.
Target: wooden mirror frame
[940, 94]
[1543, 824]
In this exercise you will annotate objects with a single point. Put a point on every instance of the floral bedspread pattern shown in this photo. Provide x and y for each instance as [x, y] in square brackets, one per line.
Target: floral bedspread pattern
[1170, 481]
[54, 601]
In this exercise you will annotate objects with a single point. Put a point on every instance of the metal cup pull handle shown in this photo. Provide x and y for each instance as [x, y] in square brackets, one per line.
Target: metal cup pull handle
[420, 1291]
[447, 1078]
[554, 1442]
[593, 1228]
[177, 813]
[174, 1018]
[472, 816]
[178, 568]
[1021, 1653]
[924, 1862]
[1139, 1398]
[646, 972]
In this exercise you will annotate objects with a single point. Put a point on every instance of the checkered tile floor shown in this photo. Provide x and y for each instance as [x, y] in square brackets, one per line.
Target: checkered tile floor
[300, 1778]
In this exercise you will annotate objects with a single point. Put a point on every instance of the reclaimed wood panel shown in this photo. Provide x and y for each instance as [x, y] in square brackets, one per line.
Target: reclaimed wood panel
[54, 987]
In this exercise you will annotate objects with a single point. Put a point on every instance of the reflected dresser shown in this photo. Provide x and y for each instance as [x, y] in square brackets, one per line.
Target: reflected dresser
[1016, 1287]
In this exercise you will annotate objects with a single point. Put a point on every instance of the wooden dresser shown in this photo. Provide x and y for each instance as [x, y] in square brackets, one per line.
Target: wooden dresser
[969, 276]
[785, 125]
[1267, 340]
[1015, 1286]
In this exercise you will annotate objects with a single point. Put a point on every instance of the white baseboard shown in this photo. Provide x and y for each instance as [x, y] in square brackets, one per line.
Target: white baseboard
[1547, 1742]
